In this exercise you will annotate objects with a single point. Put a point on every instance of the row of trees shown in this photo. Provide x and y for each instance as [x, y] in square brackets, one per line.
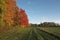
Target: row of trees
[46, 24]
[11, 15]
[49, 24]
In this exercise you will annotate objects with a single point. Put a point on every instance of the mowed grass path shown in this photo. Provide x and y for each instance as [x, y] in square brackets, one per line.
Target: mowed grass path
[29, 33]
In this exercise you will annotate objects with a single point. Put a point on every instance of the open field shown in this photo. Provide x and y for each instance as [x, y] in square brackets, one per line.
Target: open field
[30, 33]
[53, 30]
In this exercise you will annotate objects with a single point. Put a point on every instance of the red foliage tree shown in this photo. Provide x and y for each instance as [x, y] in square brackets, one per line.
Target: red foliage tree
[22, 18]
[14, 15]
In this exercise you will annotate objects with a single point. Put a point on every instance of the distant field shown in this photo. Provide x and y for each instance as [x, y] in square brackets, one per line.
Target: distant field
[53, 30]
[30, 33]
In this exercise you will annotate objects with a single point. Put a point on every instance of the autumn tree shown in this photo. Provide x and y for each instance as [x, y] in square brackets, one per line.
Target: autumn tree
[2, 10]
[10, 14]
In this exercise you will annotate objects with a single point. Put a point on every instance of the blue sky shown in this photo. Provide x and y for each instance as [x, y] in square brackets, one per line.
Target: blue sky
[41, 10]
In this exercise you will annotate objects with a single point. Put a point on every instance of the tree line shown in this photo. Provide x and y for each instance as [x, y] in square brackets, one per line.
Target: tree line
[46, 24]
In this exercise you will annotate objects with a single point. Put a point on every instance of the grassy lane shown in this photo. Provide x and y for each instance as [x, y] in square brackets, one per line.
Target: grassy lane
[47, 36]
[30, 33]
[37, 34]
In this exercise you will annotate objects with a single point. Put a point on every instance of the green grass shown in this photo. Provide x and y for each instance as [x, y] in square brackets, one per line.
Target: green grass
[14, 35]
[30, 33]
[53, 30]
